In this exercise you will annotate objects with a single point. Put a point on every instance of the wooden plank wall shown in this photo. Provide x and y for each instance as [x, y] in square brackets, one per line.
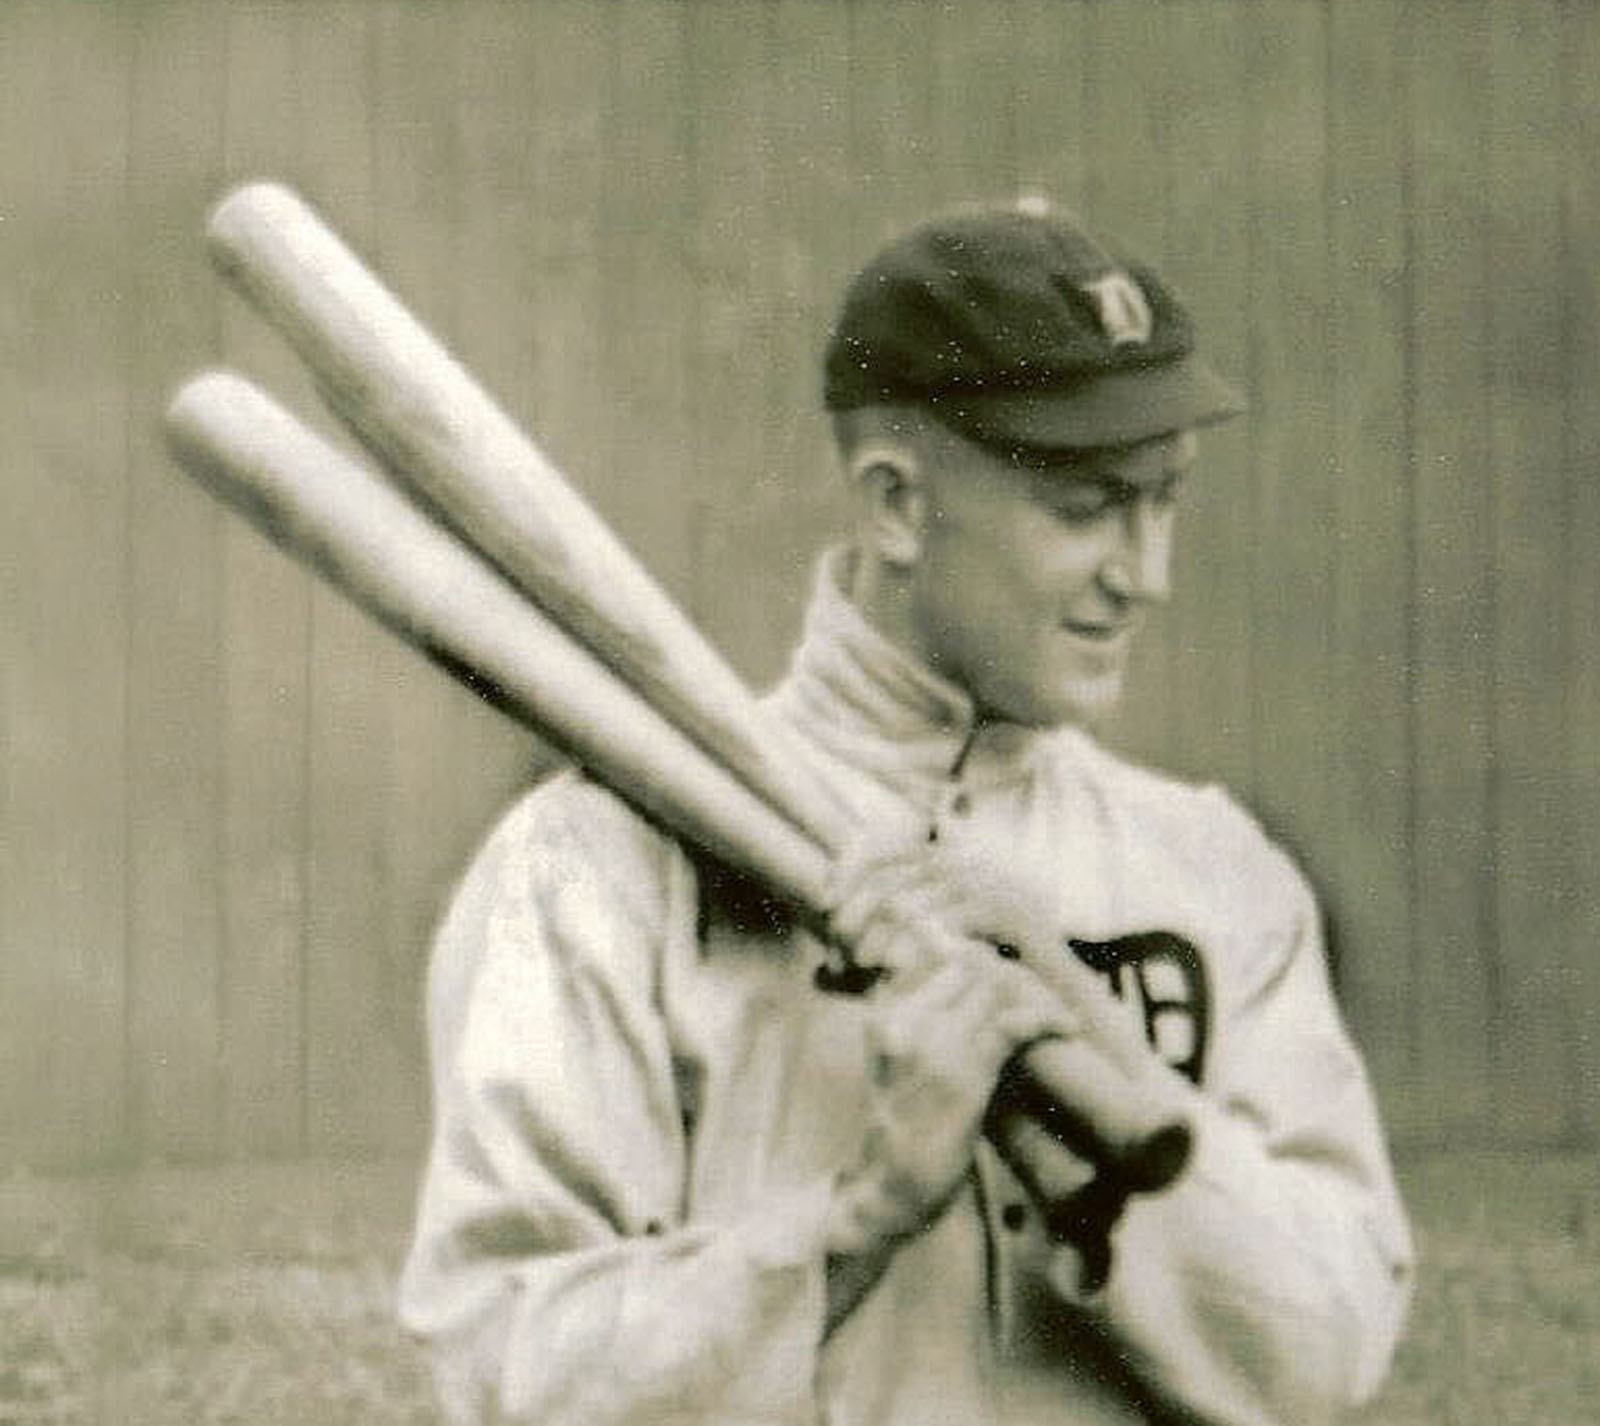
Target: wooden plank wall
[230, 808]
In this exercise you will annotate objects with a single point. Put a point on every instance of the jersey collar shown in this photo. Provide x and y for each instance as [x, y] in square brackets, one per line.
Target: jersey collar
[876, 706]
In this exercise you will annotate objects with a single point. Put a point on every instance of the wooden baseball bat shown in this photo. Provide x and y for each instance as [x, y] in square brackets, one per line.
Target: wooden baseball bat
[415, 577]
[363, 536]
[434, 428]
[439, 434]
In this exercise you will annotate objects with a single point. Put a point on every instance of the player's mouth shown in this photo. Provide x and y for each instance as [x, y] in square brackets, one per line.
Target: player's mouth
[1107, 632]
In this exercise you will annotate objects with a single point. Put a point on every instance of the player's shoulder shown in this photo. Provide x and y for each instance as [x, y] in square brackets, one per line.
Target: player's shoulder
[567, 871]
[567, 803]
[569, 833]
[1203, 823]
[1138, 788]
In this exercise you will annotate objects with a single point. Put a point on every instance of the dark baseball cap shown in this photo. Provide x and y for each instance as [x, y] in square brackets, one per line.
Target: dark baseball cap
[1016, 328]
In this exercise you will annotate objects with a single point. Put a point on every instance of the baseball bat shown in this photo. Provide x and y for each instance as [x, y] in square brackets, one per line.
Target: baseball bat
[416, 578]
[356, 530]
[434, 428]
[440, 435]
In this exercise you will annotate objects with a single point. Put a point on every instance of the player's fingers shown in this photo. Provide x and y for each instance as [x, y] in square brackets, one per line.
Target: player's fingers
[1086, 995]
[927, 979]
[909, 948]
[869, 889]
[930, 1007]
[1023, 1008]
[906, 1035]
[976, 1009]
[885, 839]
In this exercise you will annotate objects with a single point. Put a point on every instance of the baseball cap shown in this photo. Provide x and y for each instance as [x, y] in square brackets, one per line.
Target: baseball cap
[1016, 328]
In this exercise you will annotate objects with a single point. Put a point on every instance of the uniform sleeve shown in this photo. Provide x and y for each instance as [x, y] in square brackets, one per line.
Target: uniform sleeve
[1271, 1282]
[551, 1274]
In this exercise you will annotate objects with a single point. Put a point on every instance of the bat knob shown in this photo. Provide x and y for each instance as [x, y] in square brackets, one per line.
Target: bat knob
[847, 977]
[1156, 1160]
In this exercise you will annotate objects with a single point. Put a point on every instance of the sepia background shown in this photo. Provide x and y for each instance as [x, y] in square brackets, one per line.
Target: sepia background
[230, 808]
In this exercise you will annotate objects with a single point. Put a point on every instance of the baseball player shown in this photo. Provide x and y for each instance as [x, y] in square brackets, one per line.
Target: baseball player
[672, 1181]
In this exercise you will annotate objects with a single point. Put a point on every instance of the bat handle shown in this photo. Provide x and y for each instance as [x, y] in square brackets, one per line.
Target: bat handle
[1061, 1094]
[1071, 1091]
[1074, 1210]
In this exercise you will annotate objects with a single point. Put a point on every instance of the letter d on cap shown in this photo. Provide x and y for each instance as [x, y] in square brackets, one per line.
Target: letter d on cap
[1124, 313]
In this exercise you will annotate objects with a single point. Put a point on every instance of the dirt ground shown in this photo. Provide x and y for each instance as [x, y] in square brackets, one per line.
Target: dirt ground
[261, 1294]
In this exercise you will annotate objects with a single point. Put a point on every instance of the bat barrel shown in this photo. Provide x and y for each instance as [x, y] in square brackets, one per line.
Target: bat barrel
[438, 432]
[416, 578]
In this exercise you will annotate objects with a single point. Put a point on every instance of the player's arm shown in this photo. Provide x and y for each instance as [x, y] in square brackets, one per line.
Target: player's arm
[1271, 1282]
[552, 1276]
[552, 1273]
[943, 1023]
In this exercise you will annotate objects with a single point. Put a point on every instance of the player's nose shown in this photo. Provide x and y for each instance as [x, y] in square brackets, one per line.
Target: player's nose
[1139, 564]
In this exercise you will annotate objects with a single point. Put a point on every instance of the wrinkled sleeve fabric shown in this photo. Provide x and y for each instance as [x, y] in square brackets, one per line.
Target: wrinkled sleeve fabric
[1271, 1283]
[552, 1275]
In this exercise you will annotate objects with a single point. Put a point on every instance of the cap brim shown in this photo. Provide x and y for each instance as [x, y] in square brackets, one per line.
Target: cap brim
[1117, 409]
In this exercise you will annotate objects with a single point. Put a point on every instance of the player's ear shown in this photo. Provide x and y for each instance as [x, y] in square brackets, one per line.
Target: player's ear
[894, 500]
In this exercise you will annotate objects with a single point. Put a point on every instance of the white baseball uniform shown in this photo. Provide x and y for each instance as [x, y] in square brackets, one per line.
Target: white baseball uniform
[641, 1105]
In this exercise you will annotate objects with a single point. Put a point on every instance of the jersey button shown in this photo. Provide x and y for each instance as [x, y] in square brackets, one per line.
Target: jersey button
[961, 804]
[1014, 1216]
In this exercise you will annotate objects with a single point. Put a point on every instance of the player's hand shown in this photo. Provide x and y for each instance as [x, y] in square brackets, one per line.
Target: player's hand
[986, 893]
[941, 1026]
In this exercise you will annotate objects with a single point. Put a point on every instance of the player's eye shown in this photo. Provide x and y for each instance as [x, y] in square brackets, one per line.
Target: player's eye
[1081, 502]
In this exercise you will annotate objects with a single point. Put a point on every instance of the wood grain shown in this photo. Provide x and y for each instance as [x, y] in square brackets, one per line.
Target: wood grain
[65, 625]
[1365, 841]
[1458, 982]
[266, 649]
[177, 707]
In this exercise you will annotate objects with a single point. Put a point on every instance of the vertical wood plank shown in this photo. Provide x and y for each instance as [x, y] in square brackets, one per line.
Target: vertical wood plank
[1210, 676]
[362, 1063]
[497, 331]
[570, 59]
[1290, 431]
[603, 301]
[890, 123]
[1579, 577]
[63, 568]
[728, 47]
[348, 1100]
[1458, 984]
[1048, 72]
[266, 678]
[19, 1129]
[800, 500]
[1369, 854]
[176, 703]
[453, 758]
[1126, 176]
[974, 122]
[649, 311]
[1532, 814]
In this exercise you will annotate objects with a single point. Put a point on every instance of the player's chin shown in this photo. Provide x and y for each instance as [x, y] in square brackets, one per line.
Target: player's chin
[1092, 701]
[1075, 697]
